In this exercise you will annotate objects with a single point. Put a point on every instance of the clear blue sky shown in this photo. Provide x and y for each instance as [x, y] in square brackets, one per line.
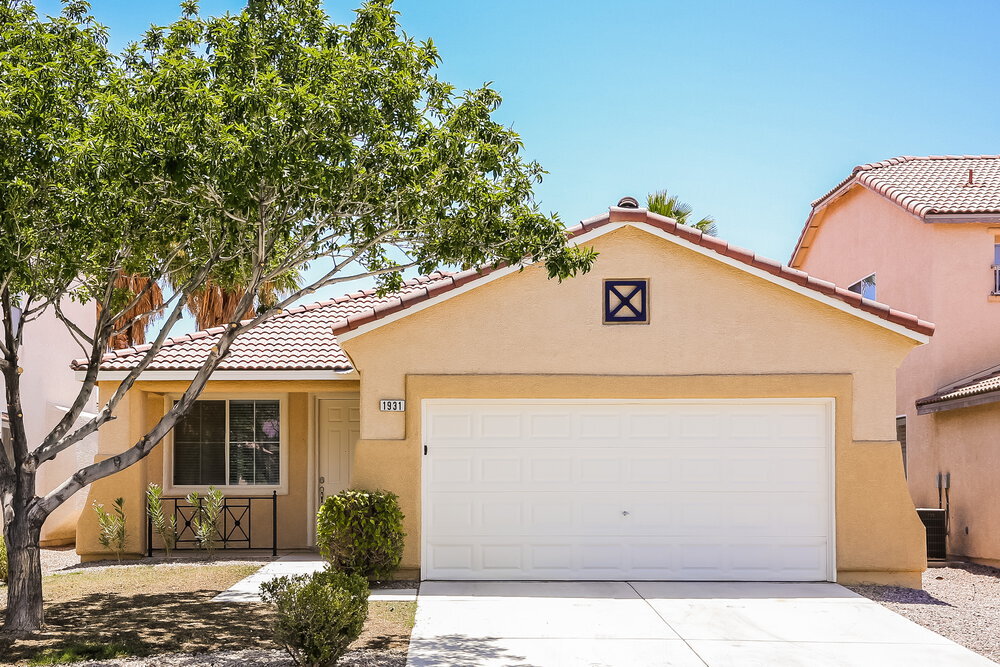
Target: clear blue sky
[747, 110]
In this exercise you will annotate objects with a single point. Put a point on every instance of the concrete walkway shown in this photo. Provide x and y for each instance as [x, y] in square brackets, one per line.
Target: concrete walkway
[248, 589]
[696, 624]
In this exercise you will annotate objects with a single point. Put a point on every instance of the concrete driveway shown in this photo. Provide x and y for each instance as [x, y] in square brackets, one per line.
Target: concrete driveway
[517, 624]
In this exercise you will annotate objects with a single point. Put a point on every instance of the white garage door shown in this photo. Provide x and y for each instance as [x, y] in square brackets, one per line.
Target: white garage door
[655, 490]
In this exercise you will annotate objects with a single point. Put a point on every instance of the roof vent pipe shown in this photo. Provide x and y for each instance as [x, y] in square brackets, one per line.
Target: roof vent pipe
[628, 202]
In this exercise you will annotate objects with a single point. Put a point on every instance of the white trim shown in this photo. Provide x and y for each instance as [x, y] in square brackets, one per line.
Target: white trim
[706, 252]
[829, 402]
[234, 489]
[154, 376]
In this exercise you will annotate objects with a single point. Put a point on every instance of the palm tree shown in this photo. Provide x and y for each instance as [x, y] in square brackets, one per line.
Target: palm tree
[132, 324]
[211, 305]
[672, 207]
[215, 304]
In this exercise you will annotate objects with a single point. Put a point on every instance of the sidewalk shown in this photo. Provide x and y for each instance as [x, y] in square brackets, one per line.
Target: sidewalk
[248, 590]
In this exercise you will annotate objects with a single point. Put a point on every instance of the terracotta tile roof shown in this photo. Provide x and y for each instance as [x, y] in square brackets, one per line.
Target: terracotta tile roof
[300, 338]
[931, 184]
[982, 383]
[304, 338]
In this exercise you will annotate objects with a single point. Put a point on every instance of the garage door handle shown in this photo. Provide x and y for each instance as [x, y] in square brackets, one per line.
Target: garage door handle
[625, 513]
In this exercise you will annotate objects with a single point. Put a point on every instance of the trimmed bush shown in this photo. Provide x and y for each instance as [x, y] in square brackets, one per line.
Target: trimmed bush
[361, 532]
[318, 615]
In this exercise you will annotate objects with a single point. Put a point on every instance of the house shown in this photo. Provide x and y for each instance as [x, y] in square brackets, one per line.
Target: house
[686, 410]
[48, 388]
[923, 233]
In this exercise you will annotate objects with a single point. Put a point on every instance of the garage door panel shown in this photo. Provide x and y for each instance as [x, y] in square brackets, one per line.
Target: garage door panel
[611, 490]
[691, 559]
[671, 514]
[468, 469]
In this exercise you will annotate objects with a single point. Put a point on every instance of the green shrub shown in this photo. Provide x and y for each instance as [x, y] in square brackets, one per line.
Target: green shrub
[318, 615]
[112, 534]
[361, 532]
[3, 559]
[163, 525]
[205, 517]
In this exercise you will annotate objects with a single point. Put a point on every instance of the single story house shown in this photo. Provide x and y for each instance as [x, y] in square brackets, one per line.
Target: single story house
[686, 410]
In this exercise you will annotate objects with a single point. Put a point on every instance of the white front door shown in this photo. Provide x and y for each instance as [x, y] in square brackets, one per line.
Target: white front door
[339, 430]
[606, 489]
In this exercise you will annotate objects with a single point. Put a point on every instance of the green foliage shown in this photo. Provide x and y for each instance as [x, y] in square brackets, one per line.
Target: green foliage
[235, 149]
[361, 532]
[164, 526]
[318, 615]
[3, 559]
[83, 651]
[205, 517]
[672, 207]
[112, 530]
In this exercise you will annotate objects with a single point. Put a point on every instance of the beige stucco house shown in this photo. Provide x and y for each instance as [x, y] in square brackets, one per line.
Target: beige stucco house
[923, 233]
[686, 410]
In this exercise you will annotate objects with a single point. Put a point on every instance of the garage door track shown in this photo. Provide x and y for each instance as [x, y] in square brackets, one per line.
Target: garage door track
[717, 624]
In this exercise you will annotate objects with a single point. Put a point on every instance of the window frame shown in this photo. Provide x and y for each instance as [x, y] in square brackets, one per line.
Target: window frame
[230, 489]
[860, 281]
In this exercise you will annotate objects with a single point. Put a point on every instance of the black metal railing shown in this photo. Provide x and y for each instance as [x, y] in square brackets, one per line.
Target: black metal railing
[996, 279]
[235, 523]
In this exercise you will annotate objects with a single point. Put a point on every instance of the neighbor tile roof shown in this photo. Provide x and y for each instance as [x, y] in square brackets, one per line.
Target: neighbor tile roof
[304, 338]
[983, 383]
[932, 184]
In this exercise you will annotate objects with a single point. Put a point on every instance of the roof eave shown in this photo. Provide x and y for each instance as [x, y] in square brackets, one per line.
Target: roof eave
[930, 404]
[245, 375]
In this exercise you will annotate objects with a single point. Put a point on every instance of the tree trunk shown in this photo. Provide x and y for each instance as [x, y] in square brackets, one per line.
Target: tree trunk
[24, 578]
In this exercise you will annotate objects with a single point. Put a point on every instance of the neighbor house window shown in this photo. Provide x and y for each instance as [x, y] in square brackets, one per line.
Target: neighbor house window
[865, 287]
[901, 437]
[228, 442]
[996, 268]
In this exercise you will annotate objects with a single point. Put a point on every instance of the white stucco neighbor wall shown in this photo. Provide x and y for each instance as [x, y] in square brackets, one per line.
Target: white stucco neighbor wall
[48, 387]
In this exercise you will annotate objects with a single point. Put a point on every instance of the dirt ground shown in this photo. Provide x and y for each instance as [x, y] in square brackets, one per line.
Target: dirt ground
[159, 609]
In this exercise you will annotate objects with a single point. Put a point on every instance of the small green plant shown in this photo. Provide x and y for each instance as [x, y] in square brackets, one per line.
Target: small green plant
[83, 650]
[318, 615]
[205, 517]
[165, 526]
[3, 559]
[361, 532]
[113, 533]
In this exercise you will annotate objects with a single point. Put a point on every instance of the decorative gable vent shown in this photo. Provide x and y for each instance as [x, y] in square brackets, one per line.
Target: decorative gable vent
[626, 301]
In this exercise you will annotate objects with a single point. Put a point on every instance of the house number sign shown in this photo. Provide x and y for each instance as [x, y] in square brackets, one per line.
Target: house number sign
[392, 405]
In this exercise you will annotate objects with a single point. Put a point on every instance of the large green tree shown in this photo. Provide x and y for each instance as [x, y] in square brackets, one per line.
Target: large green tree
[229, 149]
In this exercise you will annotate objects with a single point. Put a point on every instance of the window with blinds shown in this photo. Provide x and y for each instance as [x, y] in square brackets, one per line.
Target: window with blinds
[228, 442]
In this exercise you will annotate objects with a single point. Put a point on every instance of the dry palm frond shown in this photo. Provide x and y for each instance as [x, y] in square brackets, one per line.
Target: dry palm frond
[130, 327]
[213, 304]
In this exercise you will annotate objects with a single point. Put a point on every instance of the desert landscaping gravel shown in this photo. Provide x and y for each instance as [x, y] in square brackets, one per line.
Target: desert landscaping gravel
[251, 658]
[58, 559]
[961, 602]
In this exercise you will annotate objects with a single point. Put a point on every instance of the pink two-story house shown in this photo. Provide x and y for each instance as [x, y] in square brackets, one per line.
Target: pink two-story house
[923, 233]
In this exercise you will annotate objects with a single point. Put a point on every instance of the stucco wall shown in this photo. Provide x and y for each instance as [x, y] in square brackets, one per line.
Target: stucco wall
[716, 332]
[145, 405]
[968, 438]
[942, 273]
[48, 388]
